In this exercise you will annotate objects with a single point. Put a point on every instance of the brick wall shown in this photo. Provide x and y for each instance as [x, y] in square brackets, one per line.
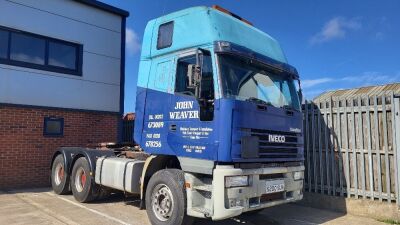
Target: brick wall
[25, 154]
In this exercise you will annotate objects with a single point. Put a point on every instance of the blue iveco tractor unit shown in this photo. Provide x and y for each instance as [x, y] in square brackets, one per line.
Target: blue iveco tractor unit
[218, 125]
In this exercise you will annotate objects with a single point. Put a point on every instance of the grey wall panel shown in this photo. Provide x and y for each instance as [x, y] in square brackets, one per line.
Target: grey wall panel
[94, 39]
[22, 87]
[100, 34]
[100, 68]
[76, 11]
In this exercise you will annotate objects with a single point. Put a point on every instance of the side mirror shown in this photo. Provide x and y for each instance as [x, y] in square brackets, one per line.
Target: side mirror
[193, 75]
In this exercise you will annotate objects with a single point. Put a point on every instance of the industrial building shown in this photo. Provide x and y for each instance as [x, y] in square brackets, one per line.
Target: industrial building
[61, 82]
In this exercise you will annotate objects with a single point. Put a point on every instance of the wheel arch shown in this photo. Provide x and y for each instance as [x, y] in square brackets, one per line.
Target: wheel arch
[71, 154]
[153, 164]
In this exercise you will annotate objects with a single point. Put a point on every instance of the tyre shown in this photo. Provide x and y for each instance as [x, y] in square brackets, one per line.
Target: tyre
[166, 198]
[83, 186]
[59, 178]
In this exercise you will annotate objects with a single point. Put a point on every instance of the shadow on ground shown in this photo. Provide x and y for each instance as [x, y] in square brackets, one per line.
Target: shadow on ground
[244, 219]
[288, 214]
[259, 219]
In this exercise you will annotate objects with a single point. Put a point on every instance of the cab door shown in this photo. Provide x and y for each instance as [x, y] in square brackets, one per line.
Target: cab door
[191, 123]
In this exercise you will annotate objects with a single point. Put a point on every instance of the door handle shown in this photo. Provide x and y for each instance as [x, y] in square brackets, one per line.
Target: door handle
[172, 127]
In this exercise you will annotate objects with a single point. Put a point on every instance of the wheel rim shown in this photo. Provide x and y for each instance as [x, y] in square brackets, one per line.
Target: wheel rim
[162, 202]
[59, 174]
[80, 179]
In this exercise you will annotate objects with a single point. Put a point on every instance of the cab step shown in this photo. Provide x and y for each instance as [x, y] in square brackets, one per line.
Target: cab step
[207, 187]
[204, 211]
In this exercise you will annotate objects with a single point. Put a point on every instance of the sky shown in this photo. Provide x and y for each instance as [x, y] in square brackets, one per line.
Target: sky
[334, 44]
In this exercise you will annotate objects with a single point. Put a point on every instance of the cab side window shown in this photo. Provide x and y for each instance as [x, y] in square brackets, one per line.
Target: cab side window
[206, 88]
[207, 84]
[165, 35]
[181, 78]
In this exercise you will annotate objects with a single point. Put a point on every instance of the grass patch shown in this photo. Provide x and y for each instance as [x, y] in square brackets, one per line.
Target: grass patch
[389, 221]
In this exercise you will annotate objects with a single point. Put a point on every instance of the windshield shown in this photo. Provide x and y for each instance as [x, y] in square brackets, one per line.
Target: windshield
[245, 80]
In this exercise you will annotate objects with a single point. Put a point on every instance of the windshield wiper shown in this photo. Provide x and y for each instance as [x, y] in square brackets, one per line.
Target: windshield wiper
[260, 101]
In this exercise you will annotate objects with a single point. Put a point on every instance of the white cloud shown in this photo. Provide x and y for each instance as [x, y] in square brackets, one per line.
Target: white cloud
[372, 78]
[132, 41]
[336, 28]
[311, 83]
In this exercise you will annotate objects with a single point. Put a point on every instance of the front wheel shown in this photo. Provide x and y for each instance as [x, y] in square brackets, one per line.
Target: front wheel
[166, 198]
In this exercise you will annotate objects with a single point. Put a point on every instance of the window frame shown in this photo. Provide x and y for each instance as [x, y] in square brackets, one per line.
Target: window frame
[159, 35]
[186, 56]
[46, 66]
[8, 44]
[189, 55]
[46, 133]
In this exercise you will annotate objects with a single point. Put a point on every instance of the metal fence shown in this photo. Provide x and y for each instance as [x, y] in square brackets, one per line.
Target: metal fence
[350, 147]
[127, 131]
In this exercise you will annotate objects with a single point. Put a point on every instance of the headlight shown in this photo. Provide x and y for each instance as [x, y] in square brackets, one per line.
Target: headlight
[298, 175]
[236, 181]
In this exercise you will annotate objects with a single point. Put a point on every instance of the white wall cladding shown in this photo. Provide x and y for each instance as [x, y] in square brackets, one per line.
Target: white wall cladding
[100, 34]
[76, 11]
[27, 88]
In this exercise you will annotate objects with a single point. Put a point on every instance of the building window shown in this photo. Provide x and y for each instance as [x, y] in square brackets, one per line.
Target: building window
[165, 34]
[62, 55]
[25, 48]
[3, 44]
[34, 51]
[53, 126]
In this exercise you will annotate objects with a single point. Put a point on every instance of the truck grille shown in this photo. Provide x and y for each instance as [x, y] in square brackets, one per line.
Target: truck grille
[270, 149]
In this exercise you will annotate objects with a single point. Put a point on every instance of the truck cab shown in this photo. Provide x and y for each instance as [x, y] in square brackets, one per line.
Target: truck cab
[218, 125]
[218, 94]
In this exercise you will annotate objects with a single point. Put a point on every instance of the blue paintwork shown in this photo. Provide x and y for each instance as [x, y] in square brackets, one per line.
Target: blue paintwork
[246, 115]
[193, 28]
[222, 143]
[172, 142]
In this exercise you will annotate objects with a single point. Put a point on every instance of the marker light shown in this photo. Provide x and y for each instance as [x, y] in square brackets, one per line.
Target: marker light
[219, 8]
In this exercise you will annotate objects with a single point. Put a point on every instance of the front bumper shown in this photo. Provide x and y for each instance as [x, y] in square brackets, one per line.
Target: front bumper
[230, 202]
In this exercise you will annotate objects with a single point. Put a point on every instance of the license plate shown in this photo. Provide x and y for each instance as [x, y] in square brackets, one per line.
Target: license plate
[275, 186]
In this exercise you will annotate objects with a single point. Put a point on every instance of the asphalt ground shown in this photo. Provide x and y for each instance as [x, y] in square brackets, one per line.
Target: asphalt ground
[42, 206]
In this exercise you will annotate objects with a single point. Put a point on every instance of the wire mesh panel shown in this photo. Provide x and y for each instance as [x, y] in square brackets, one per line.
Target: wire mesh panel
[128, 127]
[350, 147]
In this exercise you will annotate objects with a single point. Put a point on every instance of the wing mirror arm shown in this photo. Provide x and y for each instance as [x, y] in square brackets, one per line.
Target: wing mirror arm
[194, 75]
[300, 92]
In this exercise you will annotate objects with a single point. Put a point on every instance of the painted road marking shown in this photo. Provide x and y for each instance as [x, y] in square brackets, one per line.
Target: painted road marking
[49, 212]
[89, 209]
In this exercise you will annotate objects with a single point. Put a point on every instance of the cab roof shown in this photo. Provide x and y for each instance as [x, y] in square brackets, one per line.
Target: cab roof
[199, 26]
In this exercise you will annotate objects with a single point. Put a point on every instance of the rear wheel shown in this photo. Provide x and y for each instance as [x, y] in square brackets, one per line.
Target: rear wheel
[59, 179]
[166, 198]
[82, 184]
